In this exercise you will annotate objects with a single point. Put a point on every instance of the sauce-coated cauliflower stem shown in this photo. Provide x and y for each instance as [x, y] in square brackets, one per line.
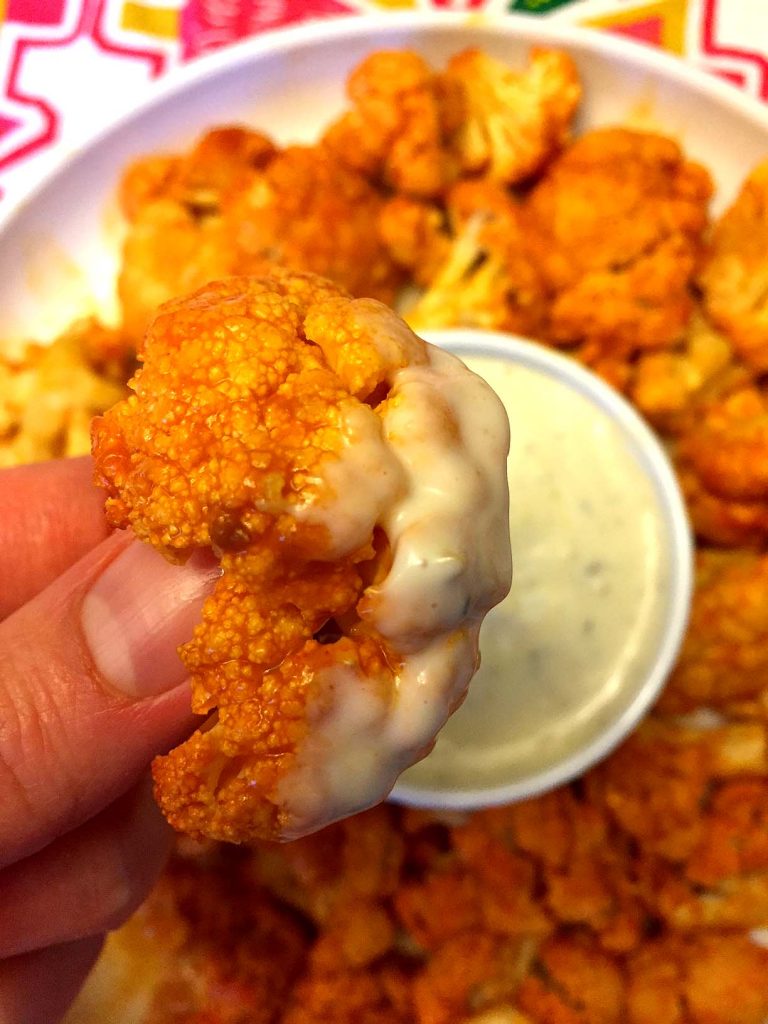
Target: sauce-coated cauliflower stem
[351, 478]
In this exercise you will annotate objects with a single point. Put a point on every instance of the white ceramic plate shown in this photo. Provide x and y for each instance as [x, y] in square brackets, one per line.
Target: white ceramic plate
[59, 249]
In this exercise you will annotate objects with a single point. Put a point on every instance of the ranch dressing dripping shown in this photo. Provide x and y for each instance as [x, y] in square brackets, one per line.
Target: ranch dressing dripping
[448, 435]
[579, 627]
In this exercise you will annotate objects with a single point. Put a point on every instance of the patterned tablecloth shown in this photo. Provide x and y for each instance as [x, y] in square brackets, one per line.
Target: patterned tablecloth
[69, 66]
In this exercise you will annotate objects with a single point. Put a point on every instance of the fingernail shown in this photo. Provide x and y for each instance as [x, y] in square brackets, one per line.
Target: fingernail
[138, 612]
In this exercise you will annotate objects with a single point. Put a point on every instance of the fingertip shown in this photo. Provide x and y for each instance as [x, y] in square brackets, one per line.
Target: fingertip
[39, 987]
[51, 514]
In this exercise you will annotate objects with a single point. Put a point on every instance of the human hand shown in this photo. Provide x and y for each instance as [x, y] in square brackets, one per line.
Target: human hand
[91, 689]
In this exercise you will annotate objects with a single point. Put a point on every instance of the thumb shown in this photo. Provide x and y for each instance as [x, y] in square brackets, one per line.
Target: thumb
[91, 687]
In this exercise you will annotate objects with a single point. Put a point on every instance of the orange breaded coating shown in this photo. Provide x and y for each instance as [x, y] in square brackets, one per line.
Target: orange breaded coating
[719, 458]
[582, 864]
[176, 239]
[207, 360]
[169, 249]
[242, 413]
[714, 978]
[234, 205]
[734, 840]
[656, 784]
[734, 277]
[484, 886]
[514, 121]
[472, 971]
[576, 983]
[415, 232]
[671, 387]
[615, 227]
[397, 131]
[374, 996]
[728, 446]
[355, 860]
[724, 659]
[260, 427]
[721, 521]
[220, 164]
[471, 259]
[308, 211]
[235, 954]
[682, 904]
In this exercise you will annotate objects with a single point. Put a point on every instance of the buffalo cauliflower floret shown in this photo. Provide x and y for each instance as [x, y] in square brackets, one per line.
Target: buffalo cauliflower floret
[416, 233]
[379, 994]
[397, 131]
[671, 387]
[218, 166]
[475, 254]
[415, 131]
[49, 393]
[514, 122]
[169, 249]
[177, 239]
[575, 982]
[234, 205]
[712, 978]
[724, 659]
[260, 406]
[719, 460]
[235, 954]
[615, 229]
[656, 784]
[734, 278]
[307, 211]
[472, 971]
[728, 446]
[734, 839]
[725, 522]
[687, 904]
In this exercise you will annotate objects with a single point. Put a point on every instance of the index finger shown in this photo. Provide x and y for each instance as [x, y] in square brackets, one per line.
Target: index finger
[51, 514]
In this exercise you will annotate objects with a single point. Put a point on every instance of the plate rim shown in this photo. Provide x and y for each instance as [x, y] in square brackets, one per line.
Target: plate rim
[337, 28]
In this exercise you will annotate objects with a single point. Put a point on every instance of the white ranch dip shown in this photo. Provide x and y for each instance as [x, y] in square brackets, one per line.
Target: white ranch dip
[564, 653]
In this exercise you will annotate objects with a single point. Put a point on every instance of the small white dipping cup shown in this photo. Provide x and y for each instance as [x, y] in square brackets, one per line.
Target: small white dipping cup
[579, 747]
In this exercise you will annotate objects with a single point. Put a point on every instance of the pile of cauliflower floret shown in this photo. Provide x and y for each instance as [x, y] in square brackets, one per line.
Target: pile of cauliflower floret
[462, 196]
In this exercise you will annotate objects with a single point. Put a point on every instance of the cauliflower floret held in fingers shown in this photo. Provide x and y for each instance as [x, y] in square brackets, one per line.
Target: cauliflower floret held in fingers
[351, 479]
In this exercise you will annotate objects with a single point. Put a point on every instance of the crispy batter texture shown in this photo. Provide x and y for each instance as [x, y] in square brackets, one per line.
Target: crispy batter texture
[724, 660]
[734, 278]
[707, 979]
[234, 204]
[239, 405]
[308, 211]
[397, 132]
[720, 457]
[615, 227]
[470, 257]
[672, 387]
[721, 521]
[728, 447]
[514, 122]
